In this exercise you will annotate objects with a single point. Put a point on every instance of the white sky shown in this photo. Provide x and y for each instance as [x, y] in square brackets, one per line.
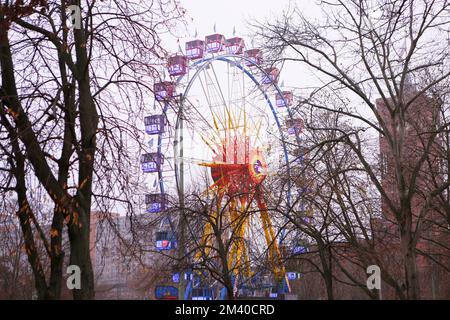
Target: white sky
[226, 15]
[231, 13]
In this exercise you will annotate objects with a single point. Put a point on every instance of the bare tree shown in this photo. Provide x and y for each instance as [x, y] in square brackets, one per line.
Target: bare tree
[69, 103]
[361, 50]
[16, 278]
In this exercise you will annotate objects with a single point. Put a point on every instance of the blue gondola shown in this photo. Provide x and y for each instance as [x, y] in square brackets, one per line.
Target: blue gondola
[156, 202]
[203, 293]
[165, 240]
[155, 124]
[300, 247]
[176, 277]
[151, 162]
[293, 276]
[166, 293]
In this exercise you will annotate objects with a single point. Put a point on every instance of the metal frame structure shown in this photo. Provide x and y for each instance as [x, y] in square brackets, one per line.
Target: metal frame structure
[238, 253]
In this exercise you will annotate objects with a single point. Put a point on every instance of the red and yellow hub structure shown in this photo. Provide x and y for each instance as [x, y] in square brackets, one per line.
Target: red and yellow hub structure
[238, 171]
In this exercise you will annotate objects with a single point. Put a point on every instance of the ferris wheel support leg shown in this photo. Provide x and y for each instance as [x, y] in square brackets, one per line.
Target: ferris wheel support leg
[234, 260]
[188, 290]
[245, 228]
[273, 250]
[205, 243]
[241, 249]
[232, 219]
[242, 223]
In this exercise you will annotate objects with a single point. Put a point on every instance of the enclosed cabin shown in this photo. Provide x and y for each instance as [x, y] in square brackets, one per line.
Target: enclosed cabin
[308, 216]
[151, 162]
[270, 76]
[176, 277]
[299, 179]
[195, 49]
[156, 202]
[302, 184]
[284, 99]
[300, 246]
[254, 57]
[215, 43]
[273, 292]
[188, 276]
[155, 124]
[300, 153]
[164, 90]
[177, 65]
[294, 126]
[293, 275]
[165, 240]
[166, 293]
[203, 293]
[235, 45]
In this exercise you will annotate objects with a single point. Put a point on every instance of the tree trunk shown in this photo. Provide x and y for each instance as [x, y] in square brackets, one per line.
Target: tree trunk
[57, 259]
[31, 251]
[411, 276]
[327, 275]
[80, 255]
[409, 259]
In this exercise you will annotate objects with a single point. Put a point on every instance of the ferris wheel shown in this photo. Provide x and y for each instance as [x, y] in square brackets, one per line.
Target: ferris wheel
[224, 133]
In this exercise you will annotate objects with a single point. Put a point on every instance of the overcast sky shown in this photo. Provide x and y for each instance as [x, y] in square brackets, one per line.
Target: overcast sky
[232, 13]
[227, 15]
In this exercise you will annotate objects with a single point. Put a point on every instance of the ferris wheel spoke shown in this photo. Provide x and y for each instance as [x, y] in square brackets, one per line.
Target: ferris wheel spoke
[224, 131]
[215, 116]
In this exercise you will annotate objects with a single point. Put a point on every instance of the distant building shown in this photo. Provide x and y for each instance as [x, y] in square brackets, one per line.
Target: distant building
[16, 281]
[124, 260]
[422, 120]
[125, 264]
[434, 280]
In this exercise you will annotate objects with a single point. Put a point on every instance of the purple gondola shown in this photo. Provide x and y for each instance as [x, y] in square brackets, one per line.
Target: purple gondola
[284, 100]
[177, 65]
[294, 125]
[300, 246]
[215, 43]
[164, 90]
[151, 162]
[195, 49]
[235, 45]
[254, 56]
[165, 240]
[156, 202]
[155, 124]
[271, 76]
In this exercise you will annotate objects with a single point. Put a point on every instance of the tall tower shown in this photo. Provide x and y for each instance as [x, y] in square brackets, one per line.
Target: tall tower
[421, 120]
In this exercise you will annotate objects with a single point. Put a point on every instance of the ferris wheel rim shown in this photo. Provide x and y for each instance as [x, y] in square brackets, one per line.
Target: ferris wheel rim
[233, 60]
[239, 62]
